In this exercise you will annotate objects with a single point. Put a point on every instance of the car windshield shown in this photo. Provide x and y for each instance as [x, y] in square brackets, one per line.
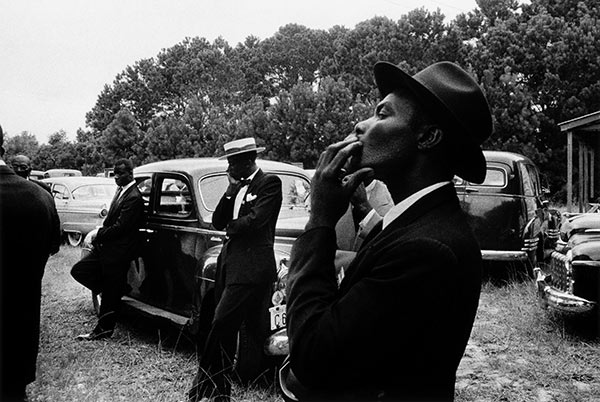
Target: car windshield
[94, 191]
[295, 193]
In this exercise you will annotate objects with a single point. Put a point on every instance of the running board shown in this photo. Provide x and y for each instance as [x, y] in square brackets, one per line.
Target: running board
[154, 311]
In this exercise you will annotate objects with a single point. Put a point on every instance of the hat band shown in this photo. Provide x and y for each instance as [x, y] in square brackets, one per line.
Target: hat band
[249, 147]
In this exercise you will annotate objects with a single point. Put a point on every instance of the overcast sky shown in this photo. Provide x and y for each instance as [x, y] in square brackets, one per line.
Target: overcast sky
[57, 55]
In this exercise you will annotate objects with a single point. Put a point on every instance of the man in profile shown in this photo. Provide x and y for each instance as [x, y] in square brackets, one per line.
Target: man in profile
[29, 234]
[104, 270]
[398, 325]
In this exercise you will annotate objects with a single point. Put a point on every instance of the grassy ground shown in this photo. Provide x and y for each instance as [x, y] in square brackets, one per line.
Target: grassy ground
[516, 353]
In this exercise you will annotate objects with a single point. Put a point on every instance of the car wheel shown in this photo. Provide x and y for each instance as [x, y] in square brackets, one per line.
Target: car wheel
[248, 358]
[74, 238]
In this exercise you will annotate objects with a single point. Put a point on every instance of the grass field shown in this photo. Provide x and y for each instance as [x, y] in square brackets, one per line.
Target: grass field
[517, 353]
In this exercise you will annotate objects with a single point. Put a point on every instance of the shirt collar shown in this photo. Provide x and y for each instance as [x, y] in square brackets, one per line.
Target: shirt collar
[126, 186]
[252, 175]
[403, 205]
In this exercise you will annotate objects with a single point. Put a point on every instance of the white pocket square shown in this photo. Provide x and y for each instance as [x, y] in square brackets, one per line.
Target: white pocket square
[250, 197]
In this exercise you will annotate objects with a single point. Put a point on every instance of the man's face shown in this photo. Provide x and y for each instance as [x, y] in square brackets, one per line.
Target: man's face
[239, 166]
[388, 140]
[122, 176]
[21, 166]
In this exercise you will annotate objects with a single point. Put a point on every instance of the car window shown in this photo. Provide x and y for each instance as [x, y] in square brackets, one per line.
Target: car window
[531, 181]
[145, 185]
[60, 192]
[94, 192]
[495, 177]
[174, 197]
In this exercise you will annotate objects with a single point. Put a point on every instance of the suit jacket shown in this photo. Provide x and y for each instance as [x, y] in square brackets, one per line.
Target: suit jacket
[29, 233]
[398, 325]
[247, 256]
[119, 236]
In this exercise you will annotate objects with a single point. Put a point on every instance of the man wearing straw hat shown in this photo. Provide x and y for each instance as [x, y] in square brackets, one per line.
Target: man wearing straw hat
[246, 267]
[398, 325]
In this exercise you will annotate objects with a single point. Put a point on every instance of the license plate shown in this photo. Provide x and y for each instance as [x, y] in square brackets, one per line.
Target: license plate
[277, 317]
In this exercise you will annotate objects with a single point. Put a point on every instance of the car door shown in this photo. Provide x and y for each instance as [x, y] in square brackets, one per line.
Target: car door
[173, 243]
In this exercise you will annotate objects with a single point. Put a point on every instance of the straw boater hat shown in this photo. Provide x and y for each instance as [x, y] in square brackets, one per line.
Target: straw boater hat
[240, 146]
[456, 100]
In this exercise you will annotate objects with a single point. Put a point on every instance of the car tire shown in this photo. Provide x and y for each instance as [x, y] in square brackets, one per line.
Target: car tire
[74, 238]
[248, 361]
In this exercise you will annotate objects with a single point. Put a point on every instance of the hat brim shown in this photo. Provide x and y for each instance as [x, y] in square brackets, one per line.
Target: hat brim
[470, 165]
[257, 150]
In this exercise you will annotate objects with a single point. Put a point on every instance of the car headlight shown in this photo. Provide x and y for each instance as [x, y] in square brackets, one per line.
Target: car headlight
[278, 297]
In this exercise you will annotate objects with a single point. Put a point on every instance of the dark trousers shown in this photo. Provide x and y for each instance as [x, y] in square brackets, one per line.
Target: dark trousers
[102, 275]
[239, 304]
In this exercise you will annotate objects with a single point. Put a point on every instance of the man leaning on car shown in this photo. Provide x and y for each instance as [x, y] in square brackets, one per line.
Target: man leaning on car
[398, 325]
[104, 270]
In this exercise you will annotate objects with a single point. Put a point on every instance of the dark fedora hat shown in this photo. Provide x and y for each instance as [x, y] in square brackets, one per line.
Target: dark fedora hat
[240, 146]
[454, 98]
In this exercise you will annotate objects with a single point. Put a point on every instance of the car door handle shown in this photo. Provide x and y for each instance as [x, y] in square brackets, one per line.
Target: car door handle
[147, 230]
[471, 190]
[217, 239]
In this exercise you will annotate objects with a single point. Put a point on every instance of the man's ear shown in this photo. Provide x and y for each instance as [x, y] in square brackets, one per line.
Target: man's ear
[429, 137]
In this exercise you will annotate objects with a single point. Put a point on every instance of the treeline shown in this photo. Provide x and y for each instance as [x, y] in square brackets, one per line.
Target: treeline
[302, 89]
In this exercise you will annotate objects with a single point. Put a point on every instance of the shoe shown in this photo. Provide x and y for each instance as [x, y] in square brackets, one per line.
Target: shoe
[94, 335]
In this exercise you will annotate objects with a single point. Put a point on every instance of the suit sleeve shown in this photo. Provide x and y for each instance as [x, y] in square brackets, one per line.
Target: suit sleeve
[329, 331]
[267, 203]
[132, 209]
[223, 212]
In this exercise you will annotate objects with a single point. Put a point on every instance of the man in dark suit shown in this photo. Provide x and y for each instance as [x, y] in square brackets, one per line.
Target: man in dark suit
[246, 268]
[399, 323]
[104, 270]
[29, 233]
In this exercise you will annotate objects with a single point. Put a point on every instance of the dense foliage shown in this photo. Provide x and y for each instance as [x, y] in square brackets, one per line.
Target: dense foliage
[301, 89]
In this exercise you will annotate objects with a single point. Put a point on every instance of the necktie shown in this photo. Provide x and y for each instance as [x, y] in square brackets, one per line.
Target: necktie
[117, 194]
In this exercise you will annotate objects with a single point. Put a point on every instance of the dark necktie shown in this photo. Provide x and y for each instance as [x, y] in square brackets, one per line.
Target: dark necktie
[116, 197]
[374, 232]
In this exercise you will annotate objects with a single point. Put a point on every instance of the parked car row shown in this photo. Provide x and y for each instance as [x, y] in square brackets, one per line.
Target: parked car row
[81, 202]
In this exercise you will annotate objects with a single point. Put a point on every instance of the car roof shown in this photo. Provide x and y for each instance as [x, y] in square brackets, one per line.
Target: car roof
[505, 157]
[199, 166]
[76, 181]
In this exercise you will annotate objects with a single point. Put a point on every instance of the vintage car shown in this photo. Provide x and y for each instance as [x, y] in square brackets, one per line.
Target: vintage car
[81, 202]
[174, 276]
[508, 212]
[570, 281]
[61, 173]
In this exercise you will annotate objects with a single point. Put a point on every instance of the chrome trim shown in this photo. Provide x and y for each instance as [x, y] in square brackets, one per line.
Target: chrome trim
[566, 302]
[188, 229]
[585, 263]
[498, 255]
[277, 344]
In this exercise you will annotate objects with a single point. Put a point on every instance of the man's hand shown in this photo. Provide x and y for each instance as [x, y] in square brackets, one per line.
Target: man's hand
[360, 204]
[332, 186]
[234, 186]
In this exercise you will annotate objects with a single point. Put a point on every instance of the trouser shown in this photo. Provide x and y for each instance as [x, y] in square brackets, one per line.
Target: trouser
[108, 277]
[239, 304]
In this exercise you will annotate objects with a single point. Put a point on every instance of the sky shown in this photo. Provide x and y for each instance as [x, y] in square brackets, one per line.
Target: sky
[57, 55]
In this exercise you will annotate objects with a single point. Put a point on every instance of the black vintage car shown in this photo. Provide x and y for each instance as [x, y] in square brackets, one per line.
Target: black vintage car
[570, 282]
[174, 276]
[508, 212]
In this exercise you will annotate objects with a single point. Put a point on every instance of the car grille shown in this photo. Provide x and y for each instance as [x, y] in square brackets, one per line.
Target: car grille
[530, 244]
[560, 269]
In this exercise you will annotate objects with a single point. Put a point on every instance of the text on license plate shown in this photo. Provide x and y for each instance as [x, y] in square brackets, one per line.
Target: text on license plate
[277, 317]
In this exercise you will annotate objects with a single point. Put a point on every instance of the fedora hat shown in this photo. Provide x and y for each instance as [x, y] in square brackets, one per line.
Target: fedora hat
[240, 146]
[456, 100]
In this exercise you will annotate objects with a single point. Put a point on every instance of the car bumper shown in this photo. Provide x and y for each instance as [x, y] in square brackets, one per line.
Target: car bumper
[504, 255]
[560, 300]
[277, 343]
